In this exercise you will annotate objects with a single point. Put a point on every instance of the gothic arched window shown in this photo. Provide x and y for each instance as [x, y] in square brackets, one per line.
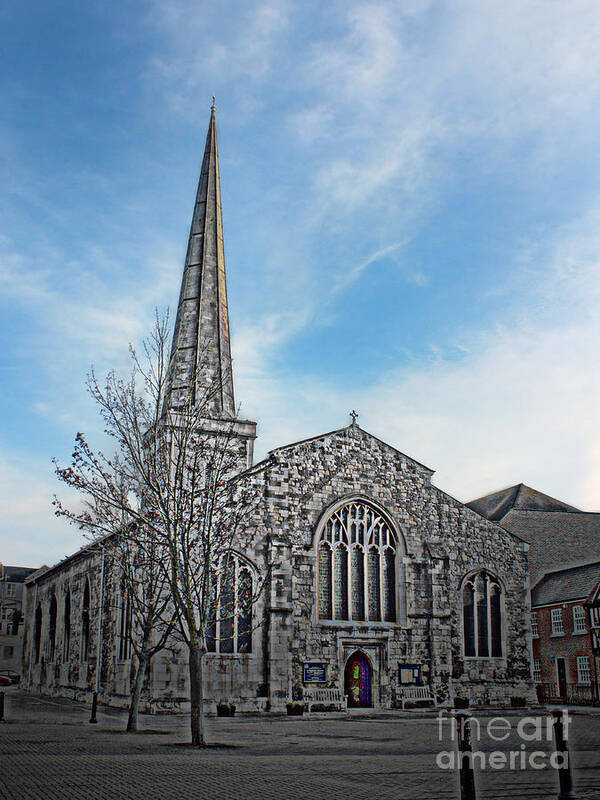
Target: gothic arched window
[37, 633]
[482, 616]
[67, 626]
[357, 563]
[124, 624]
[52, 628]
[229, 628]
[85, 622]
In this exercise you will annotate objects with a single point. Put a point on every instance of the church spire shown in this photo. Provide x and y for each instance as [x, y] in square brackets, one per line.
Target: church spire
[200, 353]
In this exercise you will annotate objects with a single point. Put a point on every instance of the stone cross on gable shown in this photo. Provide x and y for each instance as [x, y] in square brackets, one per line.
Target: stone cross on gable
[353, 417]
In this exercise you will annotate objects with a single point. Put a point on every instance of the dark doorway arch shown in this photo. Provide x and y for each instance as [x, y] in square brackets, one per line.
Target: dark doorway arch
[358, 679]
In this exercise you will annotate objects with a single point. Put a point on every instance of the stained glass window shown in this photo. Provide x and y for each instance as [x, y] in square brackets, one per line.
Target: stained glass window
[482, 616]
[229, 623]
[389, 585]
[325, 607]
[373, 585]
[358, 583]
[244, 611]
[340, 583]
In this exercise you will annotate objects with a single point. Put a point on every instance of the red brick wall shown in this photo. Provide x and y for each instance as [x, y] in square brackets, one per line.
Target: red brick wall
[568, 646]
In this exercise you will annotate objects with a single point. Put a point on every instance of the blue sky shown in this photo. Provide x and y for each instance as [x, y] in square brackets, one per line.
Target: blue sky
[411, 198]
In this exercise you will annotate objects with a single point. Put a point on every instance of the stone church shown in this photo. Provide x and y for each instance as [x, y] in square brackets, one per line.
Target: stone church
[376, 578]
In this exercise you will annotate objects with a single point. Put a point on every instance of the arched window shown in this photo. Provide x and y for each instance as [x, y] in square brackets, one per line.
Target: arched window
[124, 639]
[52, 629]
[37, 633]
[482, 617]
[85, 623]
[67, 627]
[357, 563]
[229, 628]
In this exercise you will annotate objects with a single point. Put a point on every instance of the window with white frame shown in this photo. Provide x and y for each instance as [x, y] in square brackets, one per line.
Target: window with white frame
[229, 628]
[537, 670]
[357, 559]
[10, 590]
[482, 616]
[579, 625]
[556, 621]
[583, 670]
[534, 624]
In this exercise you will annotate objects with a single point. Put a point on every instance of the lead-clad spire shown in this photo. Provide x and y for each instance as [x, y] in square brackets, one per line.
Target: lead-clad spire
[200, 353]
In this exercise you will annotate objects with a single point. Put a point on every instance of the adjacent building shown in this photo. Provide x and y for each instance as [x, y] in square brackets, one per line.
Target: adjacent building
[565, 625]
[375, 576]
[12, 581]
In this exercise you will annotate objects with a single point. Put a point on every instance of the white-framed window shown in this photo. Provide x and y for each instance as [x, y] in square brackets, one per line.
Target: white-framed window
[584, 675]
[230, 625]
[357, 558]
[537, 670]
[556, 621]
[579, 625]
[534, 624]
[10, 590]
[482, 616]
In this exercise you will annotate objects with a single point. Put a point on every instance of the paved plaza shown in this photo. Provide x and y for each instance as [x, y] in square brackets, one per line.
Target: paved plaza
[49, 750]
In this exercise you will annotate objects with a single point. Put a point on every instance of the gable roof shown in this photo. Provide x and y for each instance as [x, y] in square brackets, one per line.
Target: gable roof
[574, 583]
[557, 539]
[347, 431]
[497, 505]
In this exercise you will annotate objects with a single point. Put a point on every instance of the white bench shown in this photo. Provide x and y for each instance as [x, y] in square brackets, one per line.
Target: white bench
[327, 697]
[415, 694]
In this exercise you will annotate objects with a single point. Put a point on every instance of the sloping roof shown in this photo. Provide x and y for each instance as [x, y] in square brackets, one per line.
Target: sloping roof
[16, 574]
[557, 539]
[348, 430]
[562, 585]
[495, 506]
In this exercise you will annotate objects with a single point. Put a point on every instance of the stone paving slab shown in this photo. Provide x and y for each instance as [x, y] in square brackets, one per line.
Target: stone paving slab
[49, 750]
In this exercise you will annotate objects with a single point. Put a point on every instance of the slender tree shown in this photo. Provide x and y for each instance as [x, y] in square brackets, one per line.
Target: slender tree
[171, 500]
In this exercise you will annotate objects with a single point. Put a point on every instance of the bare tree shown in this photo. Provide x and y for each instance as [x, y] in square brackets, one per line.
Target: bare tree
[172, 499]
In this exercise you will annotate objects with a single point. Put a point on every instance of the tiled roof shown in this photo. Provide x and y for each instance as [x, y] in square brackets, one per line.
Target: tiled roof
[495, 506]
[574, 583]
[557, 539]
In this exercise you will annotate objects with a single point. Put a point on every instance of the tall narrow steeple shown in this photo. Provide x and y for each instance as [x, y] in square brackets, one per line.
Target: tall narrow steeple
[200, 353]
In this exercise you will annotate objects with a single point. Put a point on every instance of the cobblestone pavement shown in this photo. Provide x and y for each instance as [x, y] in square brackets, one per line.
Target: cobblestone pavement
[49, 750]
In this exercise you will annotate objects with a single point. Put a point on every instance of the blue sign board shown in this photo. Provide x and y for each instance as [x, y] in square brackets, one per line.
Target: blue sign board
[315, 672]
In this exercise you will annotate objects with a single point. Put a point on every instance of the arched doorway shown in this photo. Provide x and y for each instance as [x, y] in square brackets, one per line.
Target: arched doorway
[357, 680]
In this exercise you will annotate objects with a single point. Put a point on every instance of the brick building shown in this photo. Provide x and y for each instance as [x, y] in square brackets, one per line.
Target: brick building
[565, 665]
[375, 576]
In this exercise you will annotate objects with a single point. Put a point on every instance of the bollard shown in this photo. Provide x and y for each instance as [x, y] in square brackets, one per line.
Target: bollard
[94, 707]
[565, 777]
[465, 760]
[1, 706]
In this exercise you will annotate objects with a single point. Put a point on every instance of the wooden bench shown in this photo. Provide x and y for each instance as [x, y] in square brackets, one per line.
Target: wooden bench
[327, 697]
[415, 694]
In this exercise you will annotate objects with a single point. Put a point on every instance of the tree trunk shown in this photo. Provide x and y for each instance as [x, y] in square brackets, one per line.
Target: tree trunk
[134, 703]
[196, 696]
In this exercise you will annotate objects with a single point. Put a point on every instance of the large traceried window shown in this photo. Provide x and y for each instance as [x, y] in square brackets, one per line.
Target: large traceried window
[357, 564]
[230, 625]
[482, 616]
